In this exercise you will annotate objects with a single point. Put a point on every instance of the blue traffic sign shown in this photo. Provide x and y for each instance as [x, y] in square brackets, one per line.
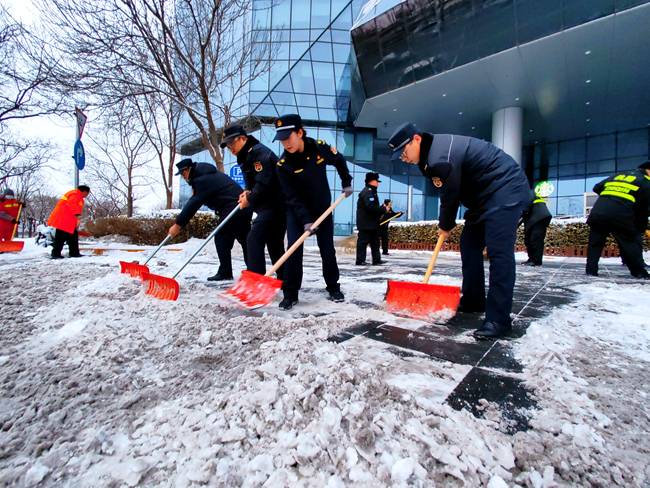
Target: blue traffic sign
[236, 174]
[79, 154]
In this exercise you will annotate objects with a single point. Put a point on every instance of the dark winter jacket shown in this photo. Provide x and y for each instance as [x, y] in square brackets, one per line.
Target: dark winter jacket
[474, 173]
[303, 177]
[211, 188]
[368, 209]
[258, 167]
[538, 213]
[623, 201]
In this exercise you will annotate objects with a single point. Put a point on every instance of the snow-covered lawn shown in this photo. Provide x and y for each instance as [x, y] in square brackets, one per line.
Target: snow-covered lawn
[103, 385]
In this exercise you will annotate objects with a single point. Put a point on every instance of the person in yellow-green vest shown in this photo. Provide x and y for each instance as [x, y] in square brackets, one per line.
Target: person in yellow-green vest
[621, 210]
[536, 222]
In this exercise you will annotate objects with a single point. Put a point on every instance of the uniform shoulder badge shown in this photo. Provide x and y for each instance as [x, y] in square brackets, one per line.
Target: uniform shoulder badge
[258, 166]
[334, 151]
[436, 182]
[321, 142]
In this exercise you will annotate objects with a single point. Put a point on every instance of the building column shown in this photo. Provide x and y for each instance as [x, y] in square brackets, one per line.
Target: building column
[507, 129]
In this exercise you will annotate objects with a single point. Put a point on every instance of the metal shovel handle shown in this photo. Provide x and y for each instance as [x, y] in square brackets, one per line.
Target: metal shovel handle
[427, 275]
[302, 238]
[214, 232]
[169, 236]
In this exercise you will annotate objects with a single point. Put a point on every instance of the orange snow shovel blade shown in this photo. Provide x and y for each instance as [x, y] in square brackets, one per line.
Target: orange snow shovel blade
[253, 290]
[11, 246]
[160, 286]
[134, 269]
[418, 300]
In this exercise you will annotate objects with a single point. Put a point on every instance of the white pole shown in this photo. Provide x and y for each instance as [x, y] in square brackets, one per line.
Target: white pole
[409, 205]
[74, 156]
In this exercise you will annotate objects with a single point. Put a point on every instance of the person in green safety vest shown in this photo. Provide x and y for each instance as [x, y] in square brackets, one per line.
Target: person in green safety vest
[536, 221]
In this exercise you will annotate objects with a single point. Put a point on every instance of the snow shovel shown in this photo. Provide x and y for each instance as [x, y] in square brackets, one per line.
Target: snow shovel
[11, 245]
[167, 288]
[418, 300]
[254, 290]
[135, 269]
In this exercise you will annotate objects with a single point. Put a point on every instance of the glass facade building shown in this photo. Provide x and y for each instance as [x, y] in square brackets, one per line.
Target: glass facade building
[336, 61]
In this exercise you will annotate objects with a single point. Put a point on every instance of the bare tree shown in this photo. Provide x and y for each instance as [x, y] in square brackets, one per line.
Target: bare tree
[28, 86]
[22, 161]
[125, 156]
[200, 55]
[160, 118]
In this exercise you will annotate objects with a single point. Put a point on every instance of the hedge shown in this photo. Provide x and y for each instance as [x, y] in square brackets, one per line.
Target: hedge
[574, 234]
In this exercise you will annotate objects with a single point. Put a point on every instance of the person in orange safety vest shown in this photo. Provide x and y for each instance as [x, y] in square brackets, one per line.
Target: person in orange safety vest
[9, 208]
[65, 218]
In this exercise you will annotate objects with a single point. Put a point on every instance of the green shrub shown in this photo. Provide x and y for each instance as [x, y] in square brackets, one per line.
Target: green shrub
[152, 230]
[574, 234]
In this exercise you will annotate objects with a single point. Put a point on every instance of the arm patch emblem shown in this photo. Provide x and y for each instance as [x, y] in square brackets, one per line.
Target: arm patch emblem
[258, 166]
[334, 151]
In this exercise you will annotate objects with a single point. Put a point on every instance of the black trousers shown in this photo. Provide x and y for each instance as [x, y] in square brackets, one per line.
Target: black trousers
[496, 230]
[383, 237]
[627, 240]
[293, 266]
[364, 238]
[60, 238]
[534, 238]
[268, 231]
[236, 228]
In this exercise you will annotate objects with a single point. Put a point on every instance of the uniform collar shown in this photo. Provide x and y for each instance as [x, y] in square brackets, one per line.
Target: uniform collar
[425, 149]
[251, 142]
[299, 159]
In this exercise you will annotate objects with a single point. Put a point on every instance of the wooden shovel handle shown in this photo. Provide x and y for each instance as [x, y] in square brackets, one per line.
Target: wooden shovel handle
[647, 232]
[13, 233]
[433, 259]
[302, 238]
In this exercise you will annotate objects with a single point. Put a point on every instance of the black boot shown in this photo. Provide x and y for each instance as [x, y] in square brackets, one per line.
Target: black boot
[492, 330]
[287, 303]
[220, 277]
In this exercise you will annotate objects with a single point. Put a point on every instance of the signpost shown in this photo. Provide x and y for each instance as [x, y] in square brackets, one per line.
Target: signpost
[78, 153]
[236, 174]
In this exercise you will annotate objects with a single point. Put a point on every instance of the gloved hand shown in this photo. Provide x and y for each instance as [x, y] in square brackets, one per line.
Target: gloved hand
[14, 221]
[307, 227]
[348, 191]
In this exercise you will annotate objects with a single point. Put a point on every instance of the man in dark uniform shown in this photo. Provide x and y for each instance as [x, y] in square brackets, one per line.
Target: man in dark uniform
[536, 221]
[384, 222]
[303, 177]
[368, 214]
[622, 210]
[495, 190]
[220, 193]
[263, 194]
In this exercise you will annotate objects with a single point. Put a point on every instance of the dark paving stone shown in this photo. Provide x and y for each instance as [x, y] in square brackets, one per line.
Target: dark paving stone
[500, 356]
[357, 330]
[509, 393]
[461, 353]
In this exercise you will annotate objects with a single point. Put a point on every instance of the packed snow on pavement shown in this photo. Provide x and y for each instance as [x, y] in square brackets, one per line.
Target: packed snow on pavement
[104, 385]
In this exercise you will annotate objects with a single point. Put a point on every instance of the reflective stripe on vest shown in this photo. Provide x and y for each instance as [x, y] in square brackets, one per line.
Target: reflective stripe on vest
[620, 189]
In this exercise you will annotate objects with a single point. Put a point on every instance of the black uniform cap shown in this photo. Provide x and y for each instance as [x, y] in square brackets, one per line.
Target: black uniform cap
[184, 164]
[371, 177]
[401, 137]
[645, 165]
[230, 134]
[285, 125]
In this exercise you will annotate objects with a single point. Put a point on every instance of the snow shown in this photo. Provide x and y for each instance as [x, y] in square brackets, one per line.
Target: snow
[104, 385]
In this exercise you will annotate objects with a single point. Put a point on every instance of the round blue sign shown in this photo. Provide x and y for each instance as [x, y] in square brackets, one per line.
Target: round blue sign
[79, 154]
[236, 174]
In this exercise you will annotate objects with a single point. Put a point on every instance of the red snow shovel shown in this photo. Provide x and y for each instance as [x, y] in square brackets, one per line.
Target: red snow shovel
[167, 288]
[254, 290]
[418, 300]
[135, 269]
[11, 245]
